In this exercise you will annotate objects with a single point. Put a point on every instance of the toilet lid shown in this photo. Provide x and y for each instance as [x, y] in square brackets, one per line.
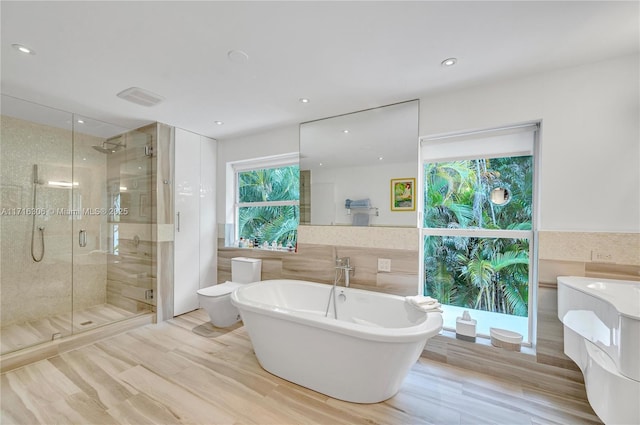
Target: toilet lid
[219, 290]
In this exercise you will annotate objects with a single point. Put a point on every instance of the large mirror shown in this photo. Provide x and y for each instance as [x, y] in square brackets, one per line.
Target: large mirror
[360, 169]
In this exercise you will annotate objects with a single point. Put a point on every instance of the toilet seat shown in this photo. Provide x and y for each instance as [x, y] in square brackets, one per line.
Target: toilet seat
[219, 290]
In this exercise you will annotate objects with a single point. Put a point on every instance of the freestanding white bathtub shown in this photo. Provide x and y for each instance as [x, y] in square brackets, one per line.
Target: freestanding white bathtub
[362, 357]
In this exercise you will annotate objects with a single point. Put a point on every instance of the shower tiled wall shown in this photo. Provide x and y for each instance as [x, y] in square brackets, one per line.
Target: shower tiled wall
[163, 221]
[32, 290]
[134, 270]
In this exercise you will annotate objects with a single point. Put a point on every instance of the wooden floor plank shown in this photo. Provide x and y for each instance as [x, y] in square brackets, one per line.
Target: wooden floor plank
[186, 371]
[91, 378]
[142, 410]
[14, 409]
[184, 404]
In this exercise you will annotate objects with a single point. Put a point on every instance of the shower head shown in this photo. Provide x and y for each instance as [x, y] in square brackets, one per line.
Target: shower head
[102, 149]
[111, 145]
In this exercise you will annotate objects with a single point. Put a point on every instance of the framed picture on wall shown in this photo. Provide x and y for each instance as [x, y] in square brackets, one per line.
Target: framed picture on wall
[403, 194]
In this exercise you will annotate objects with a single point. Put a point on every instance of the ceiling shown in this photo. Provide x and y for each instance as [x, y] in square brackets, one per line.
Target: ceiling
[342, 56]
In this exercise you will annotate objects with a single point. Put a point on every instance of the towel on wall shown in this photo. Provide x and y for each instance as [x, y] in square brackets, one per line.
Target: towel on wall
[360, 219]
[360, 203]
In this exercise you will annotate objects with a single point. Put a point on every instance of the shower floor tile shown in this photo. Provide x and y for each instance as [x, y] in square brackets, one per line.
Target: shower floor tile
[21, 335]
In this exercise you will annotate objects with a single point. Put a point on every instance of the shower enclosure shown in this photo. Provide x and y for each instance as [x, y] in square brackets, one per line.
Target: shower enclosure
[75, 224]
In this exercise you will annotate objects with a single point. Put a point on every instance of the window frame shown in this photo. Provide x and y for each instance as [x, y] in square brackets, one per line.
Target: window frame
[530, 235]
[260, 163]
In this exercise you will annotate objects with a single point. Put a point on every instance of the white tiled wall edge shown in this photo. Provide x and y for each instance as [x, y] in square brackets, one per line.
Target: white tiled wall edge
[363, 237]
[614, 248]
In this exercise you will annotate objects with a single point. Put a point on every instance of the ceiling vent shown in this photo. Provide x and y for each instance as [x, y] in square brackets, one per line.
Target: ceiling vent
[140, 96]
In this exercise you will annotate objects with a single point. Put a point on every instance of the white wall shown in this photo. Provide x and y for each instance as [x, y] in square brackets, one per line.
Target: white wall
[273, 142]
[590, 155]
[590, 150]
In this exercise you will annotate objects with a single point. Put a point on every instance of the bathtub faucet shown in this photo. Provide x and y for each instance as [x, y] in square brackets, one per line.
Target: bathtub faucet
[344, 264]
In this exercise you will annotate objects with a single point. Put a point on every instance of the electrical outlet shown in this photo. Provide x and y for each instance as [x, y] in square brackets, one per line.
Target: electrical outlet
[601, 257]
[384, 264]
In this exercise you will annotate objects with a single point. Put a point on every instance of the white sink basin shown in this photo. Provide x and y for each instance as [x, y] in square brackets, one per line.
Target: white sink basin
[601, 320]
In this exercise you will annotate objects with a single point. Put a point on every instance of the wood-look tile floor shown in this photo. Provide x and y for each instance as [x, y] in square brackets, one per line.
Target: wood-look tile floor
[185, 371]
[21, 335]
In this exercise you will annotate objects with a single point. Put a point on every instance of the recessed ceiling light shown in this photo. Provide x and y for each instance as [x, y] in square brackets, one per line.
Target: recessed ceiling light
[303, 100]
[380, 158]
[218, 122]
[320, 164]
[23, 49]
[80, 121]
[449, 62]
[237, 56]
[345, 131]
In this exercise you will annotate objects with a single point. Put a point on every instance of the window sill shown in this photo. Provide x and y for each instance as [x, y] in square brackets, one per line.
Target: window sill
[261, 248]
[485, 341]
[257, 251]
[486, 320]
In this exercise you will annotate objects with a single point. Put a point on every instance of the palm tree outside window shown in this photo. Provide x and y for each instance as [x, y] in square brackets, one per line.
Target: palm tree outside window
[268, 204]
[478, 253]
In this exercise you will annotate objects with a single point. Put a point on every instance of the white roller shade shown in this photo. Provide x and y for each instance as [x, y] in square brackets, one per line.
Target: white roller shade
[511, 141]
[261, 163]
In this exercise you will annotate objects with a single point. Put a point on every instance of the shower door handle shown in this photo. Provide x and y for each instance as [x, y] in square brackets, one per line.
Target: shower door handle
[178, 222]
[82, 238]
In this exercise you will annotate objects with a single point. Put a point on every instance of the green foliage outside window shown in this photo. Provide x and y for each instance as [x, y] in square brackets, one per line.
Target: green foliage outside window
[481, 273]
[275, 221]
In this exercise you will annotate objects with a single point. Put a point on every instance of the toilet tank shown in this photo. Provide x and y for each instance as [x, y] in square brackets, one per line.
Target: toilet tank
[246, 270]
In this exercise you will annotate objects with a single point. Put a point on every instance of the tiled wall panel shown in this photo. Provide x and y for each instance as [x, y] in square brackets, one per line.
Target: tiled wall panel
[316, 263]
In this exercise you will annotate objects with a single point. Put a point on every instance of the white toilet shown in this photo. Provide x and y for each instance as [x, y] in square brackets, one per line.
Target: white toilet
[216, 299]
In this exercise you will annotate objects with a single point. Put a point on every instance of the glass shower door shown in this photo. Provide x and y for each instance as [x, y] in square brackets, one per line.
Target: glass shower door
[75, 224]
[112, 230]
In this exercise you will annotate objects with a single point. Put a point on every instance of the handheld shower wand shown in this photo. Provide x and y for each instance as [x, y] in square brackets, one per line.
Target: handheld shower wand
[36, 182]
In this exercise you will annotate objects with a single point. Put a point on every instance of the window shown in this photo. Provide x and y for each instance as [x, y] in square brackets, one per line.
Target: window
[478, 226]
[267, 201]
